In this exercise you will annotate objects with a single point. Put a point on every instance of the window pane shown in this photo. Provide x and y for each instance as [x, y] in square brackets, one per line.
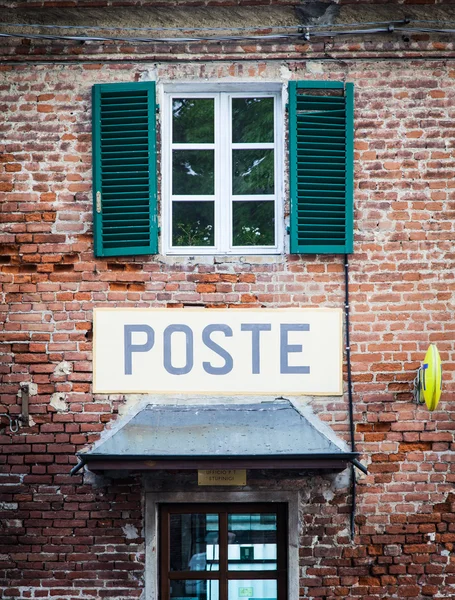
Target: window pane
[194, 542]
[256, 589]
[252, 120]
[193, 224]
[252, 542]
[194, 589]
[193, 172]
[253, 172]
[193, 120]
[253, 223]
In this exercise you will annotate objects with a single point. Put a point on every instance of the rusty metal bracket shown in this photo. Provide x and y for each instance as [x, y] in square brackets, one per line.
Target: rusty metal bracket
[24, 417]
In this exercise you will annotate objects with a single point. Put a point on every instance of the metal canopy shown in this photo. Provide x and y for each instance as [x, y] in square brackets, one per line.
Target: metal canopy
[271, 435]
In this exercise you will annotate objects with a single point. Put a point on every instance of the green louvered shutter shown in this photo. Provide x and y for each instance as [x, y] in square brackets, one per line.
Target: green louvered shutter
[321, 137]
[124, 169]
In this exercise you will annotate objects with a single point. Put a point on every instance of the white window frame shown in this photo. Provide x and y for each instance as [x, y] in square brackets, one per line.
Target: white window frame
[223, 167]
[152, 541]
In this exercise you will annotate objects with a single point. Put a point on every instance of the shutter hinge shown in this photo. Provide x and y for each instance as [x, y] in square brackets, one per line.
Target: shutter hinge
[157, 109]
[286, 108]
[288, 229]
[98, 202]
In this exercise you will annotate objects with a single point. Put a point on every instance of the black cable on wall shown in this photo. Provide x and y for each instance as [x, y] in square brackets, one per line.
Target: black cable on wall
[350, 398]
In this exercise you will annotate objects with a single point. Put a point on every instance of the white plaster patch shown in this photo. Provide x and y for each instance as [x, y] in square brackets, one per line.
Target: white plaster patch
[8, 505]
[130, 531]
[343, 533]
[328, 495]
[148, 75]
[63, 368]
[131, 400]
[285, 73]
[13, 523]
[32, 388]
[342, 480]
[392, 550]
[315, 67]
[58, 401]
[431, 536]
[445, 553]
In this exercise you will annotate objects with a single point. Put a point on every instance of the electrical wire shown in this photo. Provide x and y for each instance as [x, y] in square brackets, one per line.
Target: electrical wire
[232, 38]
[350, 394]
[256, 27]
[185, 40]
[441, 20]
[305, 33]
[250, 58]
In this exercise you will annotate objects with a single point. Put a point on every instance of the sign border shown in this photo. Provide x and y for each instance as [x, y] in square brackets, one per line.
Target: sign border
[339, 311]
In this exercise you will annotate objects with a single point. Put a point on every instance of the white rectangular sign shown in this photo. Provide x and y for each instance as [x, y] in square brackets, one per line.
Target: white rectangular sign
[218, 351]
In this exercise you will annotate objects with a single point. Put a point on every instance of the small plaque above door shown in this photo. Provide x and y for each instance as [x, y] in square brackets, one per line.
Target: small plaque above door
[221, 477]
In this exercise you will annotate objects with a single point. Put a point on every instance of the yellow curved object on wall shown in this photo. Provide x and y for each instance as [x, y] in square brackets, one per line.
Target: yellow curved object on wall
[431, 377]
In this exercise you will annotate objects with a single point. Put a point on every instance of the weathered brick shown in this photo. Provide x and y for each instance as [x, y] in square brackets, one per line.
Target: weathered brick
[67, 538]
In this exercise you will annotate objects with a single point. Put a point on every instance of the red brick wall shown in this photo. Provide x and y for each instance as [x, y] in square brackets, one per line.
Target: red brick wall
[63, 537]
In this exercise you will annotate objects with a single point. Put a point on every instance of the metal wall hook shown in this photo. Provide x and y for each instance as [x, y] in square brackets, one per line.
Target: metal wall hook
[13, 422]
[23, 418]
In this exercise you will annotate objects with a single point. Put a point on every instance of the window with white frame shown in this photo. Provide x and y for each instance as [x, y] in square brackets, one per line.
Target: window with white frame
[222, 165]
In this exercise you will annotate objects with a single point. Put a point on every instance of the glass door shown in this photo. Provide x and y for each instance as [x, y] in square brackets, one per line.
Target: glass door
[223, 552]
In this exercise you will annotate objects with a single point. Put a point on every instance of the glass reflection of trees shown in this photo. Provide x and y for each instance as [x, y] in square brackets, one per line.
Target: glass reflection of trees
[253, 223]
[193, 121]
[252, 120]
[193, 224]
[193, 171]
[253, 172]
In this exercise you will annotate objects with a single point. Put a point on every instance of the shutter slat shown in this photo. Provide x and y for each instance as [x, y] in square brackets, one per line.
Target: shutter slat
[316, 106]
[322, 118]
[306, 150]
[124, 129]
[137, 159]
[126, 168]
[124, 196]
[321, 99]
[321, 154]
[334, 135]
[124, 164]
[313, 223]
[123, 99]
[133, 149]
[318, 207]
[135, 177]
[119, 136]
[114, 115]
[121, 187]
[311, 183]
[318, 163]
[119, 215]
[115, 245]
[117, 209]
